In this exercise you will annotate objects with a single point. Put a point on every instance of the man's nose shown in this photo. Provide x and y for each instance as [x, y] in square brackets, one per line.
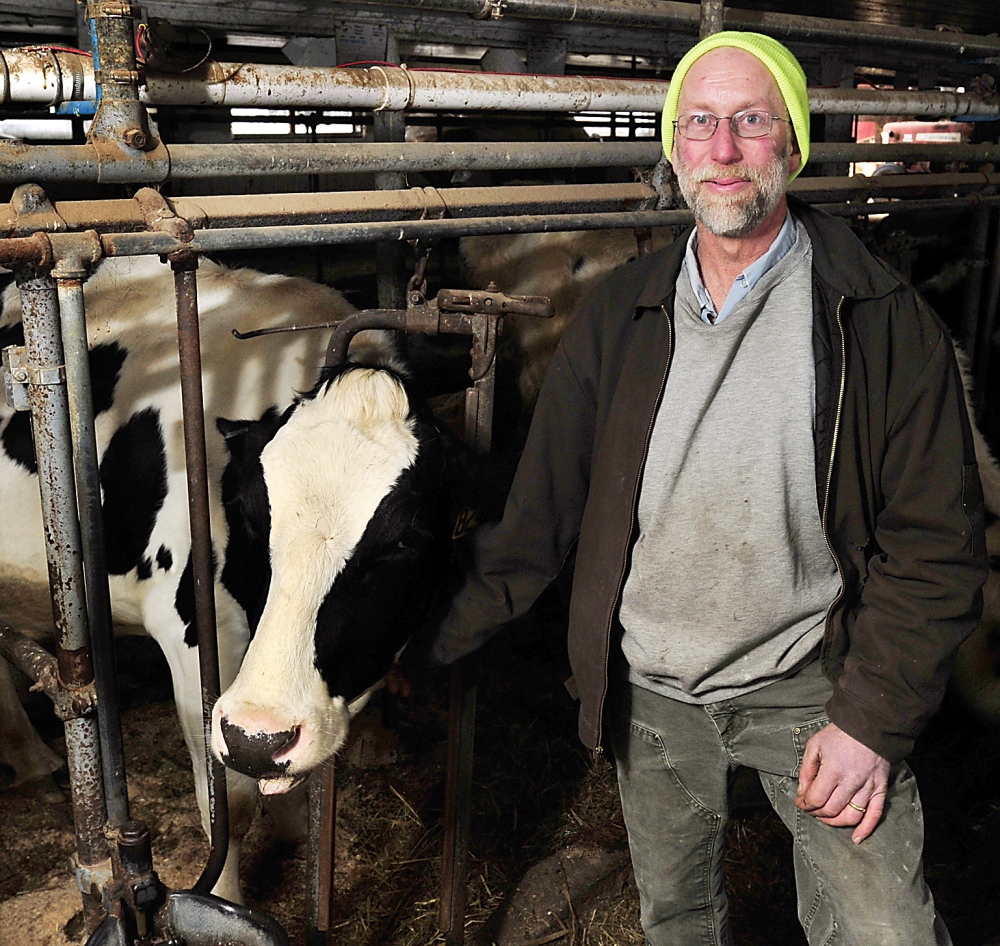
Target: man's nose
[725, 144]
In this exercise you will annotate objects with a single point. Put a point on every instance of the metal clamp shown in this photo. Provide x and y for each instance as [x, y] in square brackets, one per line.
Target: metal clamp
[15, 387]
[89, 875]
[21, 373]
[492, 10]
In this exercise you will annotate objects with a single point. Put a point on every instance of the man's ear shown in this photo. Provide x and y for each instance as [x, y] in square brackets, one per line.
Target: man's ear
[795, 158]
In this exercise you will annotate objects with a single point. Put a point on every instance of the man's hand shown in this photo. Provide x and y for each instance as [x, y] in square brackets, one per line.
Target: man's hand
[842, 782]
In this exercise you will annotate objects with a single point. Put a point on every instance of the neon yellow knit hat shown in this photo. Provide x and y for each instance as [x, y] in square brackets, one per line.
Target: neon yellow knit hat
[780, 63]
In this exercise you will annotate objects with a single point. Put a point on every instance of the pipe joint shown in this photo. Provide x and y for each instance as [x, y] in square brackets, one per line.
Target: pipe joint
[75, 254]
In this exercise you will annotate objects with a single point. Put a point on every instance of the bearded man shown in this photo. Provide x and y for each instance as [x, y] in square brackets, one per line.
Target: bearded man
[757, 443]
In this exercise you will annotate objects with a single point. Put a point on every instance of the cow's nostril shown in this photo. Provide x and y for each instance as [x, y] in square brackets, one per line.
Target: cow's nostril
[252, 753]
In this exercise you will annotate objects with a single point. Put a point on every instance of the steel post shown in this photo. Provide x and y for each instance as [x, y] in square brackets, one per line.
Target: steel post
[48, 398]
[69, 281]
[185, 265]
[711, 18]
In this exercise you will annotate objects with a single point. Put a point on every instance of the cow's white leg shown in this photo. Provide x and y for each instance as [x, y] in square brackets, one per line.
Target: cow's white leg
[184, 671]
[20, 746]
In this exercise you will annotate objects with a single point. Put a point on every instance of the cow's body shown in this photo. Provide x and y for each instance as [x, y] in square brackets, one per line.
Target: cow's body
[132, 329]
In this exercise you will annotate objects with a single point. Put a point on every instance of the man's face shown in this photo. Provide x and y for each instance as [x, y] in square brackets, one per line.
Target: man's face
[733, 184]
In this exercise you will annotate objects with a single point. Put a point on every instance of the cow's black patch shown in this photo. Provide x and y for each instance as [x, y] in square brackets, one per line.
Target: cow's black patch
[384, 593]
[246, 574]
[106, 363]
[184, 600]
[144, 570]
[134, 477]
[164, 559]
[16, 437]
[17, 442]
[105, 368]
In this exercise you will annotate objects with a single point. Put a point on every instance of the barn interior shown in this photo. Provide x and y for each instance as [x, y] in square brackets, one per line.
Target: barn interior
[296, 119]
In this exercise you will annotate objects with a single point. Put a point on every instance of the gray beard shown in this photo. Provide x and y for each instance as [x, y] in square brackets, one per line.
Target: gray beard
[740, 214]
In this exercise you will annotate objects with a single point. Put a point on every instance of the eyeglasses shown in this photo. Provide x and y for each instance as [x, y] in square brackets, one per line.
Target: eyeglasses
[751, 123]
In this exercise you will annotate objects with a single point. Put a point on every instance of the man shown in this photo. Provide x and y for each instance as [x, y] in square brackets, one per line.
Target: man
[757, 442]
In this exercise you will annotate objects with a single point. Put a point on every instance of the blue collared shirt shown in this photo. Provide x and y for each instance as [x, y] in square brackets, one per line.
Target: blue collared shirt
[746, 280]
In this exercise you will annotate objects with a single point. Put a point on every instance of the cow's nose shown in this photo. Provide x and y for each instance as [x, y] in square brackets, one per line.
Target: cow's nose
[252, 753]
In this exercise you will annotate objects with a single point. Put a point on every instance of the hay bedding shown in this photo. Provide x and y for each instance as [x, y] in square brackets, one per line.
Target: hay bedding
[547, 856]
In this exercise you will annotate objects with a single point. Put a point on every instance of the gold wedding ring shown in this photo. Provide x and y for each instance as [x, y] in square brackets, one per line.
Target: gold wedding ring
[851, 804]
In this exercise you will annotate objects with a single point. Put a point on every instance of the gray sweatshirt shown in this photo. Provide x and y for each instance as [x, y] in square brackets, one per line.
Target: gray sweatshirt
[731, 576]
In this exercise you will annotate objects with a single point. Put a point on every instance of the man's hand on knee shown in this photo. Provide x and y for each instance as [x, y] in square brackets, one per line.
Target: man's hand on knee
[842, 782]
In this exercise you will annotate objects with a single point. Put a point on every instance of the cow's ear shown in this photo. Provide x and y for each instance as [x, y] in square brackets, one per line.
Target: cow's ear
[231, 429]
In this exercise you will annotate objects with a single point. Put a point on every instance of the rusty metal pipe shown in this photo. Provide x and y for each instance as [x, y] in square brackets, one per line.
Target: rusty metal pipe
[185, 265]
[711, 18]
[69, 283]
[50, 425]
[20, 162]
[421, 203]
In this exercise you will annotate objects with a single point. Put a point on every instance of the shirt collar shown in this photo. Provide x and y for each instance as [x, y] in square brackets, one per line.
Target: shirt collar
[746, 280]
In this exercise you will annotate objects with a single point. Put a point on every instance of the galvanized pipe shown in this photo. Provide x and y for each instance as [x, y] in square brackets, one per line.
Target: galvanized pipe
[667, 15]
[46, 163]
[50, 425]
[185, 265]
[391, 88]
[69, 282]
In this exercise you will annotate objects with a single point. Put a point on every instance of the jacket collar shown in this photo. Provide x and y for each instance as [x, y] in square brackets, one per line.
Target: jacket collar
[839, 258]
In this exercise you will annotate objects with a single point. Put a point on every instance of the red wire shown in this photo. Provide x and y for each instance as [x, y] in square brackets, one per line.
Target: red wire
[60, 49]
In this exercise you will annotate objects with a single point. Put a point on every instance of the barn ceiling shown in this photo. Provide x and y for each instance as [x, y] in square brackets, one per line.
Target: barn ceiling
[981, 17]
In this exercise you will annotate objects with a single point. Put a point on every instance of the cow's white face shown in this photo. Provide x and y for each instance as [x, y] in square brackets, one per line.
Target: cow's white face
[354, 528]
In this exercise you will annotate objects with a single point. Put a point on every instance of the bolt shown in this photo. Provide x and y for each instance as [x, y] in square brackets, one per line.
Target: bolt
[415, 298]
[135, 138]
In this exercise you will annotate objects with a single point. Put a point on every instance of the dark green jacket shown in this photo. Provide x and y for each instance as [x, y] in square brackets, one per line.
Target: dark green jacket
[896, 480]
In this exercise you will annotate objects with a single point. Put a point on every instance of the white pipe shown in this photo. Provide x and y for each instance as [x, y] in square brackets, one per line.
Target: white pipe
[49, 78]
[42, 76]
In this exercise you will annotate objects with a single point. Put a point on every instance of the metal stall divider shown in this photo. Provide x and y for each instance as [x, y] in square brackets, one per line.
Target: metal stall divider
[480, 314]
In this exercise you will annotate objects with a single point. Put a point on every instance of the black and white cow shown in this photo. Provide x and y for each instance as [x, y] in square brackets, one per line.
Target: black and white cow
[343, 504]
[132, 329]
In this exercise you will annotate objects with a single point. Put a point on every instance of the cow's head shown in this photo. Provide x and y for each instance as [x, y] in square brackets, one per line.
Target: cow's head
[338, 514]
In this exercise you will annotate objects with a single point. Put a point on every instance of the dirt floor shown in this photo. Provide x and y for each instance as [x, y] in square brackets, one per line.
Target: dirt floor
[540, 806]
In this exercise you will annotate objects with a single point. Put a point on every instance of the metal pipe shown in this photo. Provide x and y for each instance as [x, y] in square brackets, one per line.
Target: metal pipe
[120, 116]
[46, 163]
[69, 282]
[358, 207]
[50, 425]
[711, 18]
[391, 88]
[45, 77]
[185, 266]
[668, 15]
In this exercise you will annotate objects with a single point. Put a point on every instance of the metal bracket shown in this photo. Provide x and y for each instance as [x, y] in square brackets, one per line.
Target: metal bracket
[18, 374]
[492, 10]
[15, 378]
[88, 875]
[33, 211]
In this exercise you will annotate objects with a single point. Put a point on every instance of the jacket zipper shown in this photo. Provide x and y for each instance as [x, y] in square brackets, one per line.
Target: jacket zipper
[599, 749]
[829, 473]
